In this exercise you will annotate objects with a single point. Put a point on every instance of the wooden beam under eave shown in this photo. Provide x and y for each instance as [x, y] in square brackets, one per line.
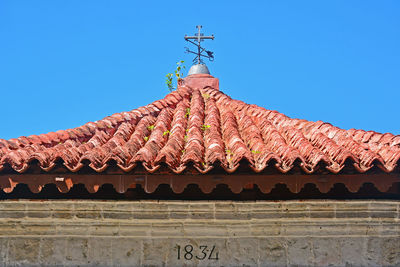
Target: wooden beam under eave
[178, 183]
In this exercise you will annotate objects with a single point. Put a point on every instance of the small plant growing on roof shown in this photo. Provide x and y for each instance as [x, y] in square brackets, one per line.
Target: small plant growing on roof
[255, 152]
[187, 113]
[166, 132]
[206, 96]
[177, 74]
[150, 128]
[146, 138]
[205, 127]
[229, 155]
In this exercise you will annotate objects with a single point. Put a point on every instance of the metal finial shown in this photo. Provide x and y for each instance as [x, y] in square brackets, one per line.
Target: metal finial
[198, 38]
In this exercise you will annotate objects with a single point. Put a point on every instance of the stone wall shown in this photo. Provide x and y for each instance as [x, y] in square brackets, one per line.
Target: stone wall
[199, 233]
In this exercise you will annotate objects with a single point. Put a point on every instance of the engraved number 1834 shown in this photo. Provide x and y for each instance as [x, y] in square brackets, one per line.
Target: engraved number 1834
[189, 252]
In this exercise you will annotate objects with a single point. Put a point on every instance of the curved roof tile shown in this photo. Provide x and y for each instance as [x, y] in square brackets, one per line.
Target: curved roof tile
[204, 128]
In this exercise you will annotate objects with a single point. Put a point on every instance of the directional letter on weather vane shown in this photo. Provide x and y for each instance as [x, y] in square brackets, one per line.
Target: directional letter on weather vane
[198, 38]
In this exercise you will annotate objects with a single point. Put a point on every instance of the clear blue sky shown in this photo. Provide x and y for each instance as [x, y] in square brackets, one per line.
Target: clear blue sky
[64, 63]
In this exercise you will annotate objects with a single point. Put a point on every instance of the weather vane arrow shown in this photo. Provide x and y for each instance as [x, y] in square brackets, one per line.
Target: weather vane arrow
[201, 52]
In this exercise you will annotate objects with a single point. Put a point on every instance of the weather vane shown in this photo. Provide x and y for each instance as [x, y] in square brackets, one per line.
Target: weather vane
[198, 38]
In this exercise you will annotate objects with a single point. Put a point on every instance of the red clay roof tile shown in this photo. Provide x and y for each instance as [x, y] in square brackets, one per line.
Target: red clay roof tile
[204, 128]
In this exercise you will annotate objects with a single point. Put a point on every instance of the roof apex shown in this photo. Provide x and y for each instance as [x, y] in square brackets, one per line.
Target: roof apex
[200, 81]
[198, 69]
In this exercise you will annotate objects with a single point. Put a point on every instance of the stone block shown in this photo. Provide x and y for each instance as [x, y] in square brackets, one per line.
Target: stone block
[35, 228]
[352, 214]
[270, 229]
[352, 250]
[38, 214]
[195, 214]
[62, 209]
[243, 251]
[72, 229]
[383, 209]
[76, 251]
[100, 251]
[322, 209]
[87, 205]
[266, 214]
[52, 251]
[225, 207]
[151, 214]
[370, 229]
[322, 214]
[389, 229]
[272, 252]
[391, 251]
[134, 230]
[178, 207]
[197, 229]
[117, 206]
[299, 251]
[84, 214]
[155, 251]
[8, 228]
[3, 251]
[238, 229]
[117, 215]
[233, 211]
[373, 254]
[383, 214]
[352, 205]
[304, 228]
[37, 206]
[383, 205]
[297, 206]
[352, 209]
[12, 205]
[59, 205]
[263, 205]
[178, 214]
[9, 214]
[126, 251]
[38, 209]
[150, 206]
[245, 205]
[63, 214]
[327, 251]
[166, 229]
[201, 210]
[23, 251]
[289, 214]
[109, 229]
[233, 215]
[262, 210]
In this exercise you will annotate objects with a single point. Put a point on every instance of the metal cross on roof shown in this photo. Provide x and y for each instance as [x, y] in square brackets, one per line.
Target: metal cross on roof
[198, 38]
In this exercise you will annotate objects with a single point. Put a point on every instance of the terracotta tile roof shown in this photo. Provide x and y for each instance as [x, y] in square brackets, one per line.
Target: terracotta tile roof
[203, 129]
